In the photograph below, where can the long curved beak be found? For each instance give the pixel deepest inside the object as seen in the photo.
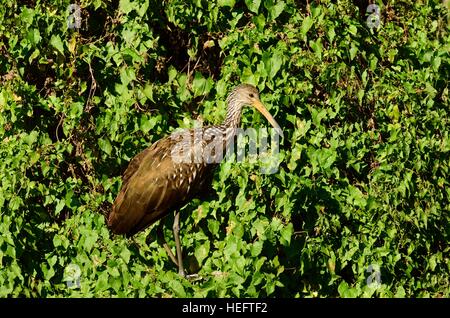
(262, 109)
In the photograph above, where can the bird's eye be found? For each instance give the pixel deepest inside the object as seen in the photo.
(251, 95)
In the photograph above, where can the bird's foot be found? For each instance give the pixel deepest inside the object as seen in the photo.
(193, 277)
(190, 277)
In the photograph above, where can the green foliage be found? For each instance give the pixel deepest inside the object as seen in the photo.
(364, 177)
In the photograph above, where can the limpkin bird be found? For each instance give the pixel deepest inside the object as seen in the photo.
(157, 183)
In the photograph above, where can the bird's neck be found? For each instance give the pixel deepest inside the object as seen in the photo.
(233, 118)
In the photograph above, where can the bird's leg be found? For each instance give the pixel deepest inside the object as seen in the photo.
(160, 233)
(176, 232)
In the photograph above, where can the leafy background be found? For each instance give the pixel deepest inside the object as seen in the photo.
(364, 173)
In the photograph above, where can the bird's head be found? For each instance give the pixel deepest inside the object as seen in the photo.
(246, 94)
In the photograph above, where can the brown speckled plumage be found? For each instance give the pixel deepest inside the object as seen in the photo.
(152, 188)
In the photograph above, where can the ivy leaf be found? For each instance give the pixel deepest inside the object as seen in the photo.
(199, 84)
(127, 75)
(102, 281)
(253, 5)
(34, 36)
(105, 145)
(272, 63)
(126, 6)
(178, 288)
(256, 248)
(286, 234)
(306, 25)
(201, 252)
(60, 206)
(125, 254)
(276, 9)
(56, 42)
(226, 3)
(90, 241)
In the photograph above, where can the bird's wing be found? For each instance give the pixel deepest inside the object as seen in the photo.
(155, 183)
